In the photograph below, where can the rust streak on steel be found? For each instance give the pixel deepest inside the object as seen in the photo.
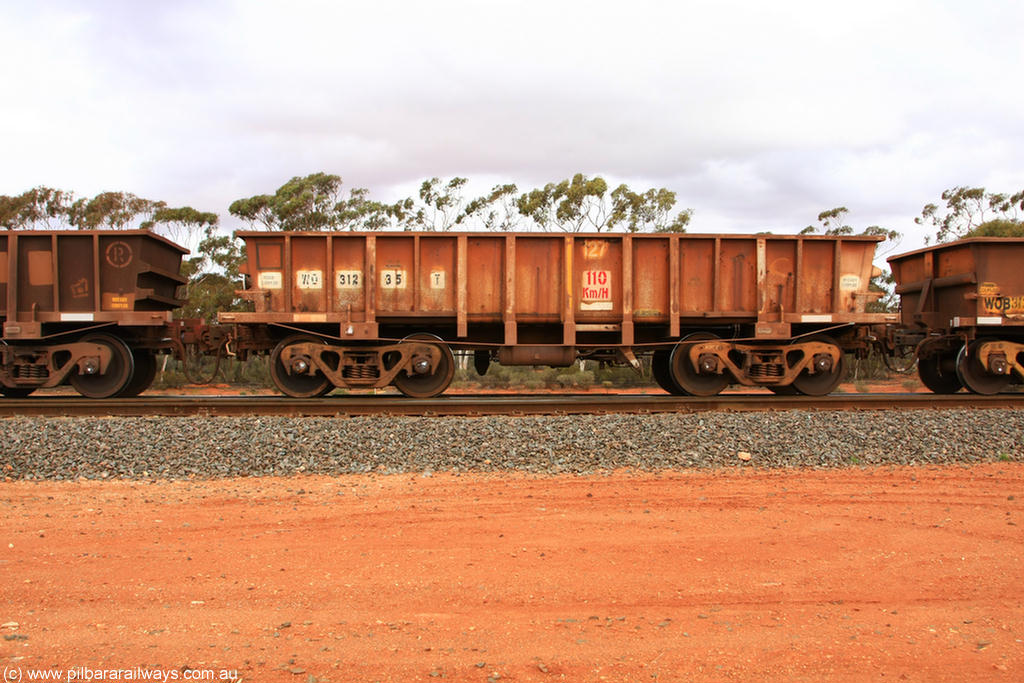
(478, 405)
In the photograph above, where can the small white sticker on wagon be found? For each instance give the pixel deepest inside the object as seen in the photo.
(437, 279)
(816, 318)
(269, 280)
(849, 283)
(309, 279)
(990, 320)
(77, 317)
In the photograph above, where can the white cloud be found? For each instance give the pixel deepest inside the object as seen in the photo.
(759, 115)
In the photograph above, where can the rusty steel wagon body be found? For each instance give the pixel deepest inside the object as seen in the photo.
(374, 309)
(85, 307)
(963, 310)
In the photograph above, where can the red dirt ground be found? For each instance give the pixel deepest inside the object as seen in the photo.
(747, 575)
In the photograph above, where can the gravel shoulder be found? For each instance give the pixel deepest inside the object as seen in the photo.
(196, 447)
(739, 573)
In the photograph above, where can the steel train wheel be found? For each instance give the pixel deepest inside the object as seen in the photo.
(690, 380)
(974, 375)
(118, 374)
(824, 382)
(297, 384)
(661, 370)
(938, 373)
(143, 374)
(427, 385)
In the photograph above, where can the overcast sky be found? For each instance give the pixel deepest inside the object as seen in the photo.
(758, 114)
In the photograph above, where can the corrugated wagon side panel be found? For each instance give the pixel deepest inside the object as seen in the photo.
(436, 280)
(308, 279)
(539, 278)
(77, 273)
(817, 277)
(697, 278)
(347, 278)
(652, 295)
(485, 278)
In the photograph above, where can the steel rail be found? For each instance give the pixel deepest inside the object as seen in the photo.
(489, 404)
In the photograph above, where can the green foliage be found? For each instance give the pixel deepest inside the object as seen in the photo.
(647, 212)
(583, 203)
(967, 209)
(213, 277)
(41, 208)
(1000, 227)
(112, 210)
(359, 213)
(497, 209)
(302, 203)
(832, 223)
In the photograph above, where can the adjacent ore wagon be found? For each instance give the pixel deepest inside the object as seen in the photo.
(963, 309)
(376, 309)
(86, 307)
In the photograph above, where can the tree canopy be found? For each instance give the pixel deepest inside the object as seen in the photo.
(576, 204)
(968, 209)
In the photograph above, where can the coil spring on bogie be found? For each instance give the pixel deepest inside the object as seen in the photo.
(767, 370)
(29, 371)
(360, 372)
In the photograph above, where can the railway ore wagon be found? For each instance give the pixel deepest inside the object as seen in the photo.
(85, 307)
(963, 308)
(376, 309)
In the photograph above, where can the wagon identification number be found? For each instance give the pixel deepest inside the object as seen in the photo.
(596, 294)
(392, 279)
(348, 279)
(309, 279)
(1003, 304)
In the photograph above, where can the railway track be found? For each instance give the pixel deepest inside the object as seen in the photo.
(489, 404)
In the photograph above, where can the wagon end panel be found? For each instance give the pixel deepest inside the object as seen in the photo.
(1000, 276)
(856, 264)
(138, 271)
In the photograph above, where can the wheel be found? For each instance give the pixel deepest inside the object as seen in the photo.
(142, 376)
(427, 384)
(974, 375)
(118, 374)
(661, 370)
(826, 380)
(16, 392)
(938, 373)
(689, 380)
(297, 383)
